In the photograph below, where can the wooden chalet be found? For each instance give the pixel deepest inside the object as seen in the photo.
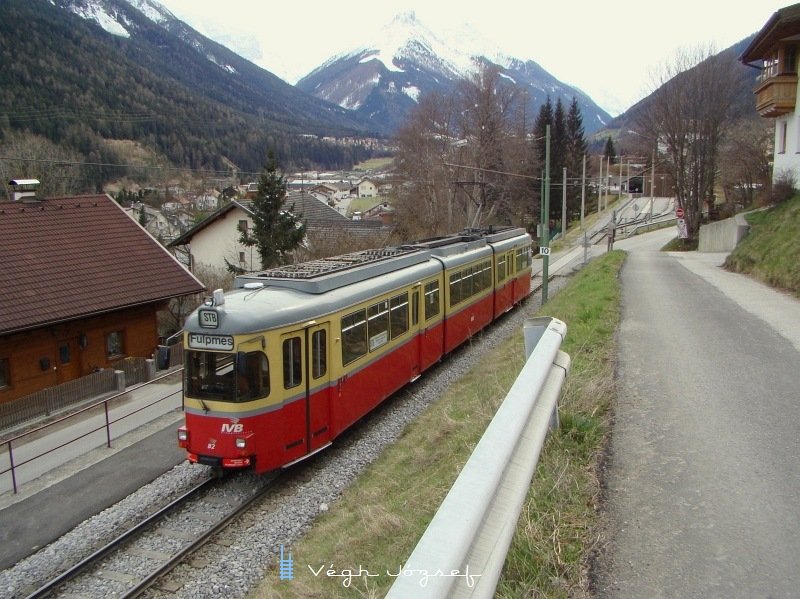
(80, 284)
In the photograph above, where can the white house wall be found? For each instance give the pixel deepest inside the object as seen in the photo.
(212, 245)
(787, 146)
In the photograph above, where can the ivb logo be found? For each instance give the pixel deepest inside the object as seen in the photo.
(232, 427)
(286, 566)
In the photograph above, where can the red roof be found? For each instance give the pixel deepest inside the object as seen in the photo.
(67, 258)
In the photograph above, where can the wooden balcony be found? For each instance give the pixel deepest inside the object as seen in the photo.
(777, 95)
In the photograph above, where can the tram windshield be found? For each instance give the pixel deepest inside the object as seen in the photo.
(227, 377)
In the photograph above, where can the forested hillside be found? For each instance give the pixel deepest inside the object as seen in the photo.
(69, 81)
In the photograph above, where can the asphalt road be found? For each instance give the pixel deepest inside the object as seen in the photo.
(704, 472)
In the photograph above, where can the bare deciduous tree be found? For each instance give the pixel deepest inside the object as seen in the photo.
(29, 156)
(458, 156)
(688, 115)
(425, 144)
(745, 162)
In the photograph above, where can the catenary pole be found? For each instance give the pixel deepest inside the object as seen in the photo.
(546, 216)
(583, 190)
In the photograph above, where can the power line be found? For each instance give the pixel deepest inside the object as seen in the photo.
(213, 173)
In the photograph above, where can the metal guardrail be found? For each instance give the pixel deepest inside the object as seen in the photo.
(462, 552)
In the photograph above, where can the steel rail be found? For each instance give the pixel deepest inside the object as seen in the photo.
(115, 544)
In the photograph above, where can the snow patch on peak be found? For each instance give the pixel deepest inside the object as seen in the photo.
(102, 17)
(156, 13)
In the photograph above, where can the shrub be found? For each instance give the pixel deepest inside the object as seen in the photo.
(783, 187)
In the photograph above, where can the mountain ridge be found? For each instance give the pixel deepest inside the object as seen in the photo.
(407, 59)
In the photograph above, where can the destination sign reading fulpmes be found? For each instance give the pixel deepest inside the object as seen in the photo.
(206, 341)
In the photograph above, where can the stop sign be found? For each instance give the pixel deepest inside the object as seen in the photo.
(678, 212)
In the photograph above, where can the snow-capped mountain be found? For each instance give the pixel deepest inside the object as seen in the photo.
(114, 16)
(160, 42)
(384, 78)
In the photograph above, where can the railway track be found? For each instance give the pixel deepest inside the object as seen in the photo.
(138, 558)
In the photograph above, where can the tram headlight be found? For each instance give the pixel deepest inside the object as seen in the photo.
(183, 437)
(241, 443)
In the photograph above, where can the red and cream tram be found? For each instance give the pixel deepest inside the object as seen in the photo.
(280, 366)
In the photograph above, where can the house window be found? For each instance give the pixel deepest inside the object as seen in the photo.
(243, 226)
(782, 131)
(4, 376)
(64, 353)
(241, 257)
(790, 59)
(114, 344)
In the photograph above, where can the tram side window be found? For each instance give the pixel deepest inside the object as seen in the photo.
(501, 269)
(414, 307)
(319, 354)
(378, 324)
(431, 299)
(354, 336)
(398, 315)
(523, 258)
(469, 282)
(455, 288)
(486, 275)
(292, 363)
(252, 376)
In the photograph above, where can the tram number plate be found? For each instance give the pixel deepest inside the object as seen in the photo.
(208, 319)
(544, 251)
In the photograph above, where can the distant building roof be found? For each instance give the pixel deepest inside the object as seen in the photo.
(74, 257)
(316, 214)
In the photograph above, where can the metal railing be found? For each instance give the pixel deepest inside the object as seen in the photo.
(463, 550)
(16, 441)
(51, 400)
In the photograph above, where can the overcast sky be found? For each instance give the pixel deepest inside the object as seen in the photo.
(610, 50)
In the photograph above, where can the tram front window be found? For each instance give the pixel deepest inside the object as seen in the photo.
(227, 377)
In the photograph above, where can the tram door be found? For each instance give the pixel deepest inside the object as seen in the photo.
(306, 378)
(318, 387)
(415, 308)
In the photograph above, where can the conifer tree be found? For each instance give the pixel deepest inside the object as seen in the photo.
(609, 152)
(276, 231)
(577, 148)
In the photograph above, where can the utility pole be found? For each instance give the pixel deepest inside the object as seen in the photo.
(600, 187)
(546, 217)
(583, 190)
(564, 203)
(653, 185)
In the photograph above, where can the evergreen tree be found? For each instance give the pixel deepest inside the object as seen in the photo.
(577, 148)
(544, 118)
(609, 152)
(276, 231)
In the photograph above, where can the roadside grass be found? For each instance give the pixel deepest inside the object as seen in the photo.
(681, 245)
(770, 252)
(377, 522)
